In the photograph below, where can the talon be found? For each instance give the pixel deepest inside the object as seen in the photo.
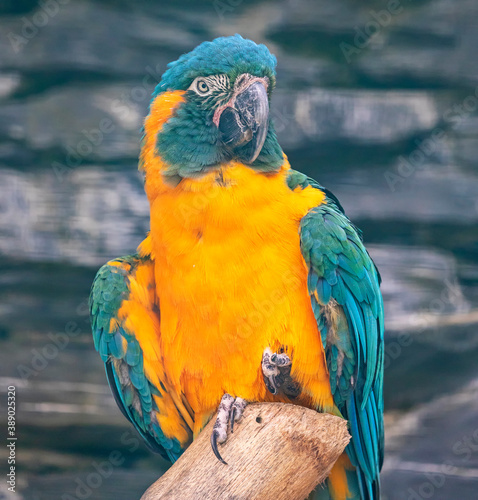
(214, 436)
(271, 388)
(230, 410)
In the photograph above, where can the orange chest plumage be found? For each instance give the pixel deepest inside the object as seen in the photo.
(231, 281)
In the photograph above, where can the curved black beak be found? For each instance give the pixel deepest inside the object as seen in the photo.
(244, 127)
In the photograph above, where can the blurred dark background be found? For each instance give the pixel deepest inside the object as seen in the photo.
(376, 100)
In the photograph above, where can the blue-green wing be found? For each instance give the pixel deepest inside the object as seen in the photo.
(123, 357)
(344, 288)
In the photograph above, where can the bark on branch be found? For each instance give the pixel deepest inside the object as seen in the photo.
(278, 451)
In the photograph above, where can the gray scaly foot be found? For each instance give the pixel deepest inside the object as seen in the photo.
(276, 369)
(230, 410)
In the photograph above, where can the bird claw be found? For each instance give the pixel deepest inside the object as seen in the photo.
(214, 441)
(276, 369)
(230, 410)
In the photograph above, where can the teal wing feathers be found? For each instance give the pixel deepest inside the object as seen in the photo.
(123, 357)
(343, 284)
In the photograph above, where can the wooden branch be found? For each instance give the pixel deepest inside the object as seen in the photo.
(278, 451)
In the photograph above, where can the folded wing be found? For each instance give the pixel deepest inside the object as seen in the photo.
(343, 284)
(126, 330)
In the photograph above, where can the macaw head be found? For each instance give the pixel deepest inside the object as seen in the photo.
(217, 98)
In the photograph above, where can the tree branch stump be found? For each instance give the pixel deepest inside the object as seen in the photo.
(278, 451)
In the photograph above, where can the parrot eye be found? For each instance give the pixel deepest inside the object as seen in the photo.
(201, 86)
(209, 85)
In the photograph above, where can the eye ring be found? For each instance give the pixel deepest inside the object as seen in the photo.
(202, 87)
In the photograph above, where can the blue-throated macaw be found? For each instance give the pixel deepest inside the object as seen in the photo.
(252, 284)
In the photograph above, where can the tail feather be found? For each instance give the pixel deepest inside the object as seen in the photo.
(358, 487)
